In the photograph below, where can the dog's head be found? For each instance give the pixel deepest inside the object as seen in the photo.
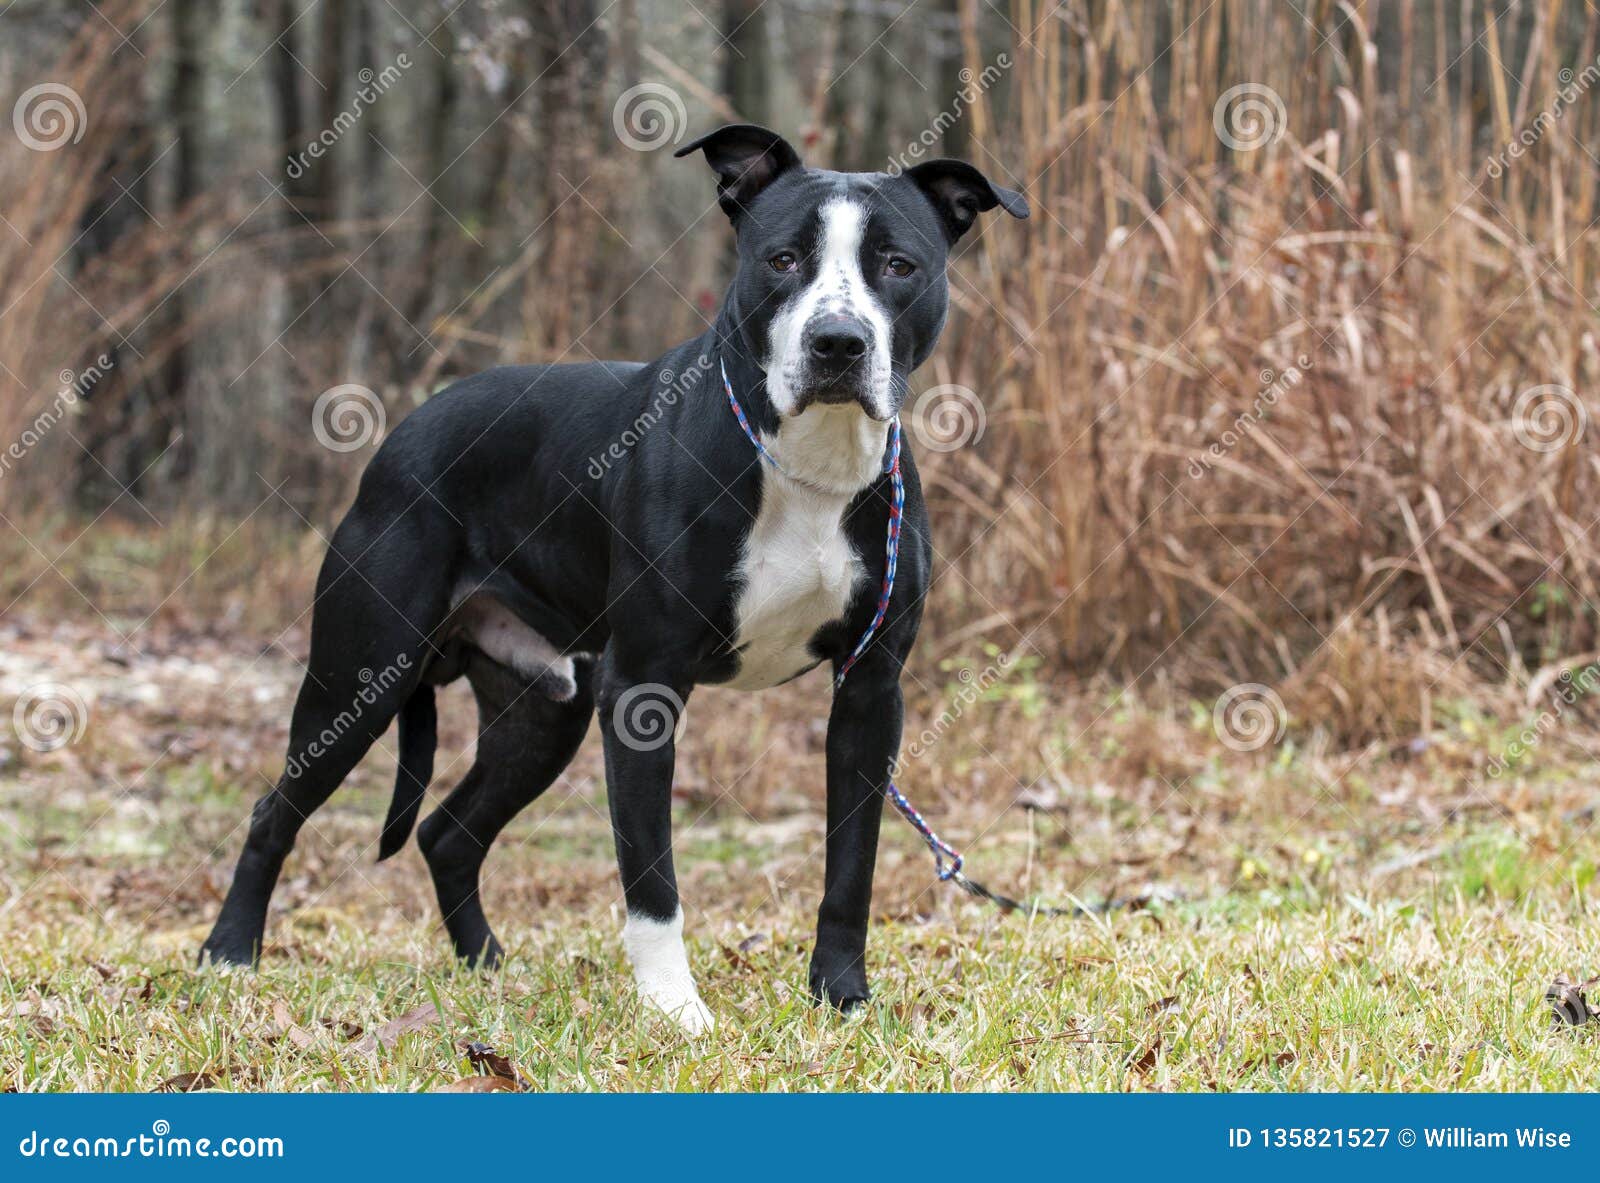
(841, 290)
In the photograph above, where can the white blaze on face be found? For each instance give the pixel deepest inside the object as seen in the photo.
(837, 287)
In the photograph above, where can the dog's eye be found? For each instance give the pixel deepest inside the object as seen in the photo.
(783, 261)
(899, 268)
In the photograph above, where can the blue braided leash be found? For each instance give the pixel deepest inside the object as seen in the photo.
(947, 859)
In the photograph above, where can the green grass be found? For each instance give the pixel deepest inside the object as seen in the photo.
(1331, 922)
(1253, 992)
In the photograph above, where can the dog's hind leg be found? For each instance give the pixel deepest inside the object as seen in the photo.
(525, 740)
(368, 649)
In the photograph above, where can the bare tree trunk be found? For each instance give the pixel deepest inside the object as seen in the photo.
(331, 73)
(572, 55)
(122, 401)
(187, 112)
(957, 136)
(441, 111)
(501, 138)
(298, 184)
(628, 42)
(371, 195)
(747, 61)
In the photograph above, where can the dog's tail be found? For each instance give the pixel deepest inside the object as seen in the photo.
(419, 736)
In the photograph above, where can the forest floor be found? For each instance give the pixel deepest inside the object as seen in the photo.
(1292, 919)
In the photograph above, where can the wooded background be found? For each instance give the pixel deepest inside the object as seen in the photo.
(1291, 384)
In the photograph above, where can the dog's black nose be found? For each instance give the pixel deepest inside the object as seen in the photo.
(838, 341)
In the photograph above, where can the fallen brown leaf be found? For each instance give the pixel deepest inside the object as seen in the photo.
(389, 1034)
(343, 1028)
(1569, 1001)
(186, 1082)
(1147, 1059)
(285, 1026)
(478, 1084)
(491, 1063)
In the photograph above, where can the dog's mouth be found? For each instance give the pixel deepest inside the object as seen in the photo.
(845, 390)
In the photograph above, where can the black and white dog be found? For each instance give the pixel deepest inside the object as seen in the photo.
(605, 535)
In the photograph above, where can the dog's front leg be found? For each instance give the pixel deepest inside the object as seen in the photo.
(638, 718)
(863, 738)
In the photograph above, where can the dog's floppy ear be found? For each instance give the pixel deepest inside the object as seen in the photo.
(960, 193)
(746, 159)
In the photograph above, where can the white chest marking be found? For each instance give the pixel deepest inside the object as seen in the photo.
(798, 572)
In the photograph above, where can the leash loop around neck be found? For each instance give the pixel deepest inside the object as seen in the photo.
(948, 861)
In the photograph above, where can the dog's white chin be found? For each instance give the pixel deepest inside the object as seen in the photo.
(837, 447)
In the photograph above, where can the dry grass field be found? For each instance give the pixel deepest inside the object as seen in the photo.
(1291, 918)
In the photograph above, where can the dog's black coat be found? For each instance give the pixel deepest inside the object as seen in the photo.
(494, 486)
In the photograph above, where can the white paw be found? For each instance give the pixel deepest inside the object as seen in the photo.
(661, 969)
(686, 1009)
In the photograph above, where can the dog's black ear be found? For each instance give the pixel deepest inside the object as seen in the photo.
(746, 159)
(960, 193)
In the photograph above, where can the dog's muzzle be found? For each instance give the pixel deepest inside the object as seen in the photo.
(836, 348)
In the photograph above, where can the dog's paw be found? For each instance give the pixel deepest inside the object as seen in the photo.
(558, 680)
(847, 993)
(224, 956)
(683, 1007)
